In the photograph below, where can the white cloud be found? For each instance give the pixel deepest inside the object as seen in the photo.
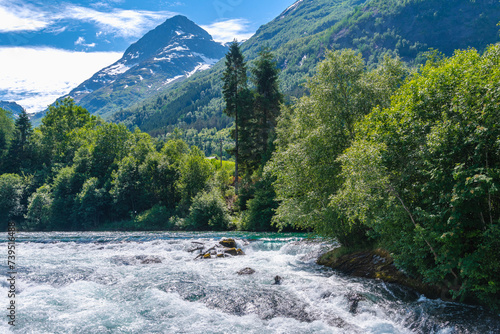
(21, 18)
(81, 41)
(228, 30)
(126, 23)
(35, 78)
(122, 22)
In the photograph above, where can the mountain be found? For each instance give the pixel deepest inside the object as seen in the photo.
(12, 107)
(299, 37)
(170, 53)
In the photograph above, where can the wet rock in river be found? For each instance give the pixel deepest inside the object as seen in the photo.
(217, 250)
(376, 264)
(228, 242)
(354, 299)
(135, 260)
(233, 251)
(246, 271)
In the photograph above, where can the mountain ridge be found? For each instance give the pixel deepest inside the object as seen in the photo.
(301, 34)
(171, 52)
(13, 107)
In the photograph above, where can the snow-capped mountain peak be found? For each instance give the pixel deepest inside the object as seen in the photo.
(174, 50)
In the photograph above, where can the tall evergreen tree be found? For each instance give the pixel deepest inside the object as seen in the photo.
(19, 155)
(267, 102)
(236, 95)
(6, 132)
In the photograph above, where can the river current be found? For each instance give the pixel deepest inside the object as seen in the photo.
(151, 283)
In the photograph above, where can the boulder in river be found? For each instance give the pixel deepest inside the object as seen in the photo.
(228, 242)
(246, 271)
(217, 250)
(378, 264)
(354, 299)
(233, 251)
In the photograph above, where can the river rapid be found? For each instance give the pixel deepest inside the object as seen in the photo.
(150, 283)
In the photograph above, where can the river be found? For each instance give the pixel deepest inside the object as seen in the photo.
(150, 283)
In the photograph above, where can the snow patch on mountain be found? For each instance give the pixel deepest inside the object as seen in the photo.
(135, 55)
(200, 67)
(166, 82)
(115, 69)
(172, 48)
(208, 61)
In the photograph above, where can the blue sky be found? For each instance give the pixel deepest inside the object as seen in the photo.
(48, 47)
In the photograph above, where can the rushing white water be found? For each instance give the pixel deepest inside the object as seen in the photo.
(150, 283)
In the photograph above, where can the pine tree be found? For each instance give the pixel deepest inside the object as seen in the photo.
(267, 102)
(19, 156)
(236, 95)
(6, 132)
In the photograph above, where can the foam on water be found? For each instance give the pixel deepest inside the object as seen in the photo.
(150, 283)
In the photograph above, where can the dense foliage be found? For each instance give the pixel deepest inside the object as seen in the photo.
(314, 132)
(77, 172)
(424, 174)
(6, 131)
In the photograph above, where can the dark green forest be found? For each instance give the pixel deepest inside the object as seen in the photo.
(78, 172)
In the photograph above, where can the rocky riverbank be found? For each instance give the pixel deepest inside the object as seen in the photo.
(377, 264)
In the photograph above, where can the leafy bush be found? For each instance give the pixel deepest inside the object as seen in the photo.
(261, 208)
(11, 192)
(39, 207)
(154, 219)
(208, 212)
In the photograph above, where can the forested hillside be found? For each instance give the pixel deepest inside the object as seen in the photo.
(302, 33)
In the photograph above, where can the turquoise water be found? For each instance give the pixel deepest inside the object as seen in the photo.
(151, 283)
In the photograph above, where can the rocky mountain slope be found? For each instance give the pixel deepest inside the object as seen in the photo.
(13, 107)
(170, 53)
(302, 33)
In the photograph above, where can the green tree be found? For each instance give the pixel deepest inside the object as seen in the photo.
(6, 134)
(101, 148)
(128, 192)
(20, 151)
(59, 138)
(267, 102)
(424, 174)
(89, 204)
(159, 176)
(195, 172)
(315, 131)
(11, 193)
(262, 206)
(39, 209)
(237, 96)
(67, 184)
